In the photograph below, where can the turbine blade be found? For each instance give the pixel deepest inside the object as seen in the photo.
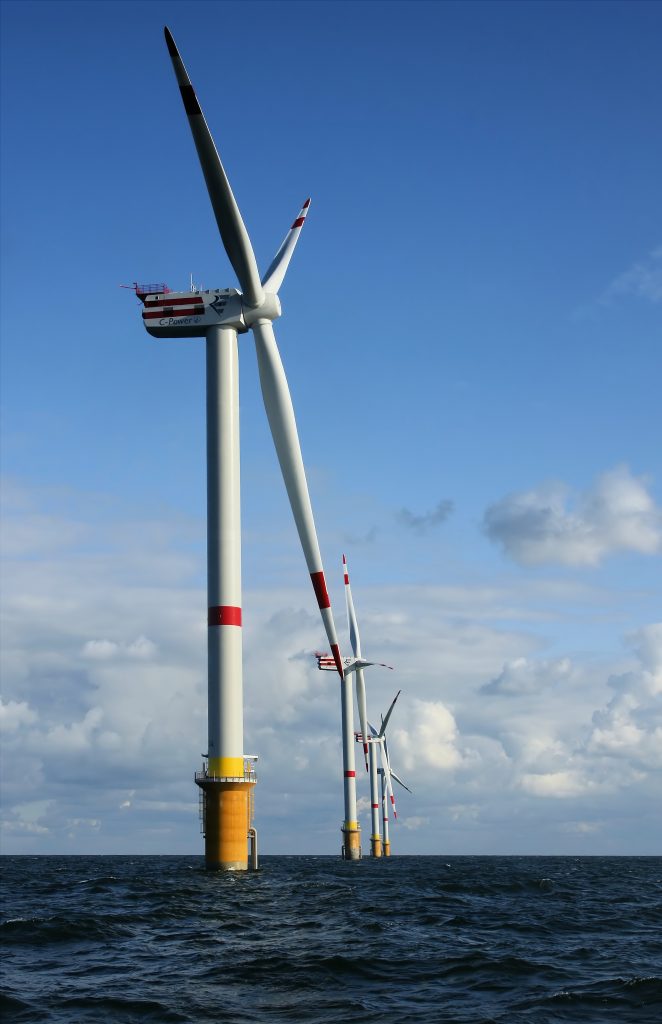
(280, 413)
(355, 641)
(362, 663)
(354, 637)
(273, 278)
(399, 781)
(388, 714)
(363, 713)
(387, 778)
(233, 231)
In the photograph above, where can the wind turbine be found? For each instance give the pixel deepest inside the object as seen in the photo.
(350, 827)
(219, 315)
(355, 665)
(378, 739)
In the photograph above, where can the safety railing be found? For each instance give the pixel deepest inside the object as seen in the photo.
(250, 775)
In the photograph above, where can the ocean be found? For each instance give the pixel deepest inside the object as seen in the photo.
(410, 940)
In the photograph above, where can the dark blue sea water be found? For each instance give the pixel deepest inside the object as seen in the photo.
(315, 940)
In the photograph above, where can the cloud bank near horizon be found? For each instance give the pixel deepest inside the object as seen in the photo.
(104, 710)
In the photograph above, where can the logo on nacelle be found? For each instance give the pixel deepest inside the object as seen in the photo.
(219, 303)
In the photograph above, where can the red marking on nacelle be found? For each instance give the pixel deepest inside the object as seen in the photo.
(168, 311)
(190, 300)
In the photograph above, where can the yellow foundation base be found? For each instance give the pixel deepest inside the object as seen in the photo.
(226, 825)
(376, 846)
(351, 842)
(387, 848)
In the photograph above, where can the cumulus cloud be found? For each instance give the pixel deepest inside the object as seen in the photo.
(15, 713)
(642, 280)
(429, 738)
(647, 645)
(620, 745)
(556, 784)
(414, 822)
(105, 711)
(422, 523)
(629, 727)
(524, 675)
(101, 650)
(546, 526)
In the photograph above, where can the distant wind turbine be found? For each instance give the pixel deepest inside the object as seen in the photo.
(378, 739)
(355, 665)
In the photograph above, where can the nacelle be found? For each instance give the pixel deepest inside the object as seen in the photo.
(191, 314)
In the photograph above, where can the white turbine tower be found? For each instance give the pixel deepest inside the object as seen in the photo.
(355, 665)
(378, 739)
(219, 315)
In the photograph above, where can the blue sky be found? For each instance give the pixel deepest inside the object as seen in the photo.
(472, 316)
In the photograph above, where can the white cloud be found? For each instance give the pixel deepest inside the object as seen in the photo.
(647, 645)
(524, 675)
(642, 280)
(101, 650)
(14, 713)
(106, 706)
(414, 822)
(541, 526)
(74, 738)
(429, 738)
(556, 784)
(629, 727)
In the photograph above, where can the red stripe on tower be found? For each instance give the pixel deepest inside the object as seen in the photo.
(321, 593)
(350, 775)
(224, 615)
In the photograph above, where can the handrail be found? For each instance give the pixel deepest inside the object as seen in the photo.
(204, 776)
